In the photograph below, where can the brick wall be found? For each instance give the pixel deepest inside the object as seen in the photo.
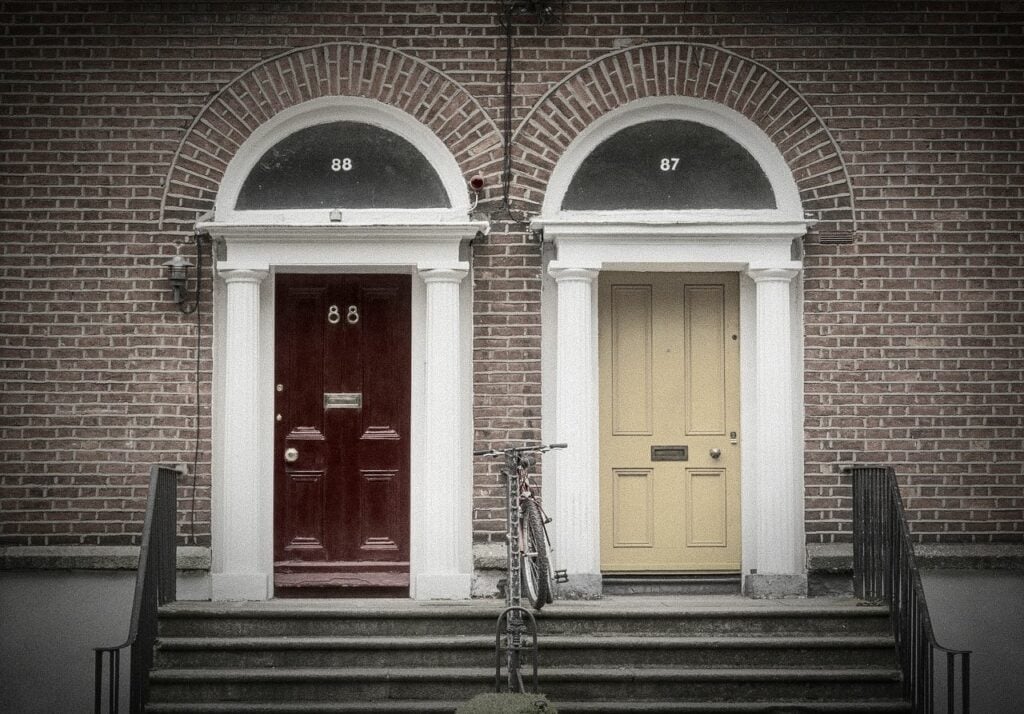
(914, 345)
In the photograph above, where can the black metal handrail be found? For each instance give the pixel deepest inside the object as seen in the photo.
(885, 570)
(154, 586)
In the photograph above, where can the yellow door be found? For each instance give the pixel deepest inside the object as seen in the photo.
(669, 393)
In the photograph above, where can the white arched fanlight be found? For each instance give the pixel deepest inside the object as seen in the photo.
(378, 121)
(732, 126)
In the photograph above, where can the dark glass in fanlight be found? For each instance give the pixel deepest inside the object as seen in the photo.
(386, 171)
(706, 169)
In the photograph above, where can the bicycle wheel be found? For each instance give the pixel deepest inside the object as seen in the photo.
(536, 566)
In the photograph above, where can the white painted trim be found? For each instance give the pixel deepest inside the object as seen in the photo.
(331, 109)
(438, 518)
(731, 123)
(575, 505)
(425, 243)
(687, 241)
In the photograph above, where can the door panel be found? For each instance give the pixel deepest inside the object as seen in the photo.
(632, 387)
(341, 499)
(704, 367)
(669, 377)
(633, 509)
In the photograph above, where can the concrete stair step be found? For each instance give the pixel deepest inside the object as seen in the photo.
(391, 706)
(891, 706)
(216, 620)
(566, 707)
(671, 584)
(457, 684)
(556, 651)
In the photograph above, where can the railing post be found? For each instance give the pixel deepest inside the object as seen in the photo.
(885, 570)
(155, 585)
(869, 564)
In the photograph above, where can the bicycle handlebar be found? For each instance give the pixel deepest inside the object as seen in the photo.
(519, 449)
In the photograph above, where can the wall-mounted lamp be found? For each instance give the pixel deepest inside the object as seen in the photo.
(177, 275)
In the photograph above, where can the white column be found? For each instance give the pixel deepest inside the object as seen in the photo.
(778, 478)
(575, 480)
(438, 521)
(238, 574)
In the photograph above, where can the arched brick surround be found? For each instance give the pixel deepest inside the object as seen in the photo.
(691, 70)
(300, 75)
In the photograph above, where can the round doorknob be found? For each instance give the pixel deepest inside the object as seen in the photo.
(291, 455)
(715, 453)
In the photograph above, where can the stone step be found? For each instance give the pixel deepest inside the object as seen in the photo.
(671, 585)
(575, 683)
(395, 706)
(556, 651)
(225, 620)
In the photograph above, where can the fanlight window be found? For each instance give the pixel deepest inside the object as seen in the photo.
(342, 164)
(669, 165)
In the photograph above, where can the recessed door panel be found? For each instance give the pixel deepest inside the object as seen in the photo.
(704, 368)
(381, 529)
(631, 389)
(341, 495)
(632, 509)
(669, 396)
(707, 512)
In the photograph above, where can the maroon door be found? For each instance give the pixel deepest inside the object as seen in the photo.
(341, 445)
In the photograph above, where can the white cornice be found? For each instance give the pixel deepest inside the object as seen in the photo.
(650, 229)
(325, 247)
(341, 232)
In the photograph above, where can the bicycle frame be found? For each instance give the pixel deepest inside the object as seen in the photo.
(519, 488)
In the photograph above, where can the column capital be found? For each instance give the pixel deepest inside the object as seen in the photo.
(242, 275)
(781, 274)
(443, 275)
(564, 273)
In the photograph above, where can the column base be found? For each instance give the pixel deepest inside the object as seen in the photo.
(442, 586)
(769, 586)
(240, 586)
(581, 586)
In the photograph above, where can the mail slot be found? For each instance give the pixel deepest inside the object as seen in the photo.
(669, 453)
(343, 400)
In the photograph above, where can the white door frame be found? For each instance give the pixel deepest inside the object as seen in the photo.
(254, 246)
(757, 244)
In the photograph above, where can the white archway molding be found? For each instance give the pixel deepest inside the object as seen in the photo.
(332, 109)
(731, 123)
(253, 248)
(758, 245)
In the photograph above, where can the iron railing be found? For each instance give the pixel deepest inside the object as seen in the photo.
(154, 586)
(884, 570)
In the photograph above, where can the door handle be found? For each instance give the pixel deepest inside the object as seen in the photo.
(291, 455)
(715, 453)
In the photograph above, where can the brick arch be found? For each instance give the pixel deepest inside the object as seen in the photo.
(699, 71)
(327, 70)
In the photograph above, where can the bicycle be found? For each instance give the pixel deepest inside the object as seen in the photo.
(529, 561)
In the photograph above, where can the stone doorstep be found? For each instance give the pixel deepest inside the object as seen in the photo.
(837, 558)
(834, 558)
(87, 557)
